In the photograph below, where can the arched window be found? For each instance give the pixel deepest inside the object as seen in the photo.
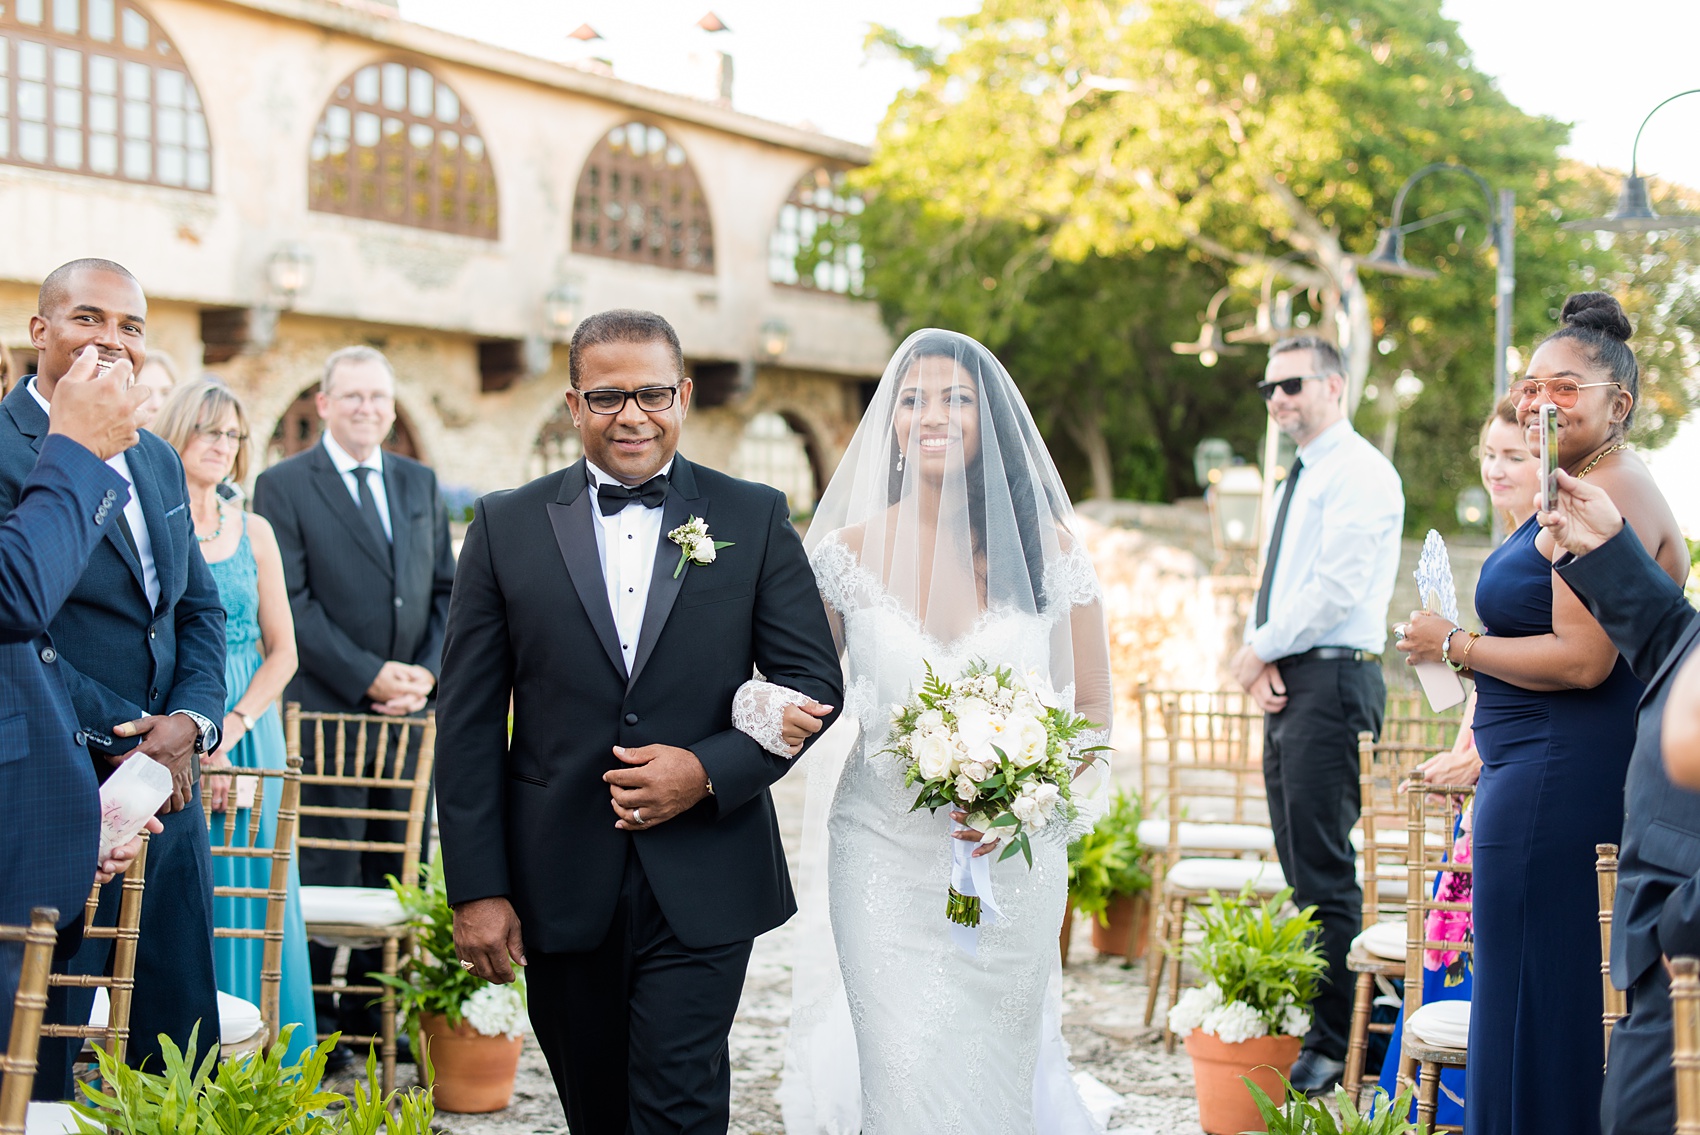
(557, 445)
(94, 87)
(818, 241)
(301, 426)
(639, 199)
(395, 144)
(775, 453)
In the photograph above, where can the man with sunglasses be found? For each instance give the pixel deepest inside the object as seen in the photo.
(1311, 659)
(614, 834)
(369, 566)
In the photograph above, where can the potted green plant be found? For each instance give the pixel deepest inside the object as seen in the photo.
(1260, 966)
(249, 1094)
(472, 1030)
(1301, 1116)
(1108, 880)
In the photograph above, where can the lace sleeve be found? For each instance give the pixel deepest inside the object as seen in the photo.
(758, 710)
(835, 569)
(1070, 579)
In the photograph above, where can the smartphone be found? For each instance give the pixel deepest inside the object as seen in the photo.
(1549, 457)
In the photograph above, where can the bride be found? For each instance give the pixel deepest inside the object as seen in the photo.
(943, 539)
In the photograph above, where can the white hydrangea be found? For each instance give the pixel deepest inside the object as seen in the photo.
(1194, 1004)
(1295, 1021)
(495, 1010)
(1235, 1022)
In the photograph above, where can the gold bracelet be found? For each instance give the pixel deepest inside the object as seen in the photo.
(1464, 658)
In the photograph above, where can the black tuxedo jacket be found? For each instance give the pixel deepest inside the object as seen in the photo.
(528, 817)
(358, 604)
(1658, 882)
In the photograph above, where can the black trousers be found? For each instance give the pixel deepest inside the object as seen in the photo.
(322, 867)
(635, 1030)
(1310, 770)
(1640, 1089)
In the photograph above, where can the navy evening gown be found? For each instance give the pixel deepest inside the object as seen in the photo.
(1553, 767)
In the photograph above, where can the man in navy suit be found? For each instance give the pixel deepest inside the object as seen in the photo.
(49, 842)
(140, 646)
(1656, 914)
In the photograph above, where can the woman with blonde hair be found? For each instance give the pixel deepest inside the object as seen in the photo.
(205, 422)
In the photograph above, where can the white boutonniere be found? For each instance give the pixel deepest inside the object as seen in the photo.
(696, 546)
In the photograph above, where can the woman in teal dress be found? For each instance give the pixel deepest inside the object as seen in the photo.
(205, 422)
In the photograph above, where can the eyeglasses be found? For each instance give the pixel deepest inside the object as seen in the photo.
(213, 437)
(1288, 386)
(1561, 392)
(354, 399)
(650, 399)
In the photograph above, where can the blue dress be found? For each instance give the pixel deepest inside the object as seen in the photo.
(1553, 767)
(238, 961)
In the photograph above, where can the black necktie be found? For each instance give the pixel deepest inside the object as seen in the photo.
(611, 498)
(1275, 542)
(369, 503)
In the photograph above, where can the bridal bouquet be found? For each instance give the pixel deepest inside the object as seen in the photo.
(997, 747)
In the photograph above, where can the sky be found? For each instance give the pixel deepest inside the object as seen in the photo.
(1600, 67)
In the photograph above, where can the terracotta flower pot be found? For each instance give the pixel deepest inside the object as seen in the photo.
(1129, 929)
(1225, 1107)
(474, 1073)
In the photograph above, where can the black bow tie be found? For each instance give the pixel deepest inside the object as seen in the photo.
(614, 497)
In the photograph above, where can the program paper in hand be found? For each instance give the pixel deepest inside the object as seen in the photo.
(1443, 688)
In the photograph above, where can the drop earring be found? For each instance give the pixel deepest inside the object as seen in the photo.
(900, 462)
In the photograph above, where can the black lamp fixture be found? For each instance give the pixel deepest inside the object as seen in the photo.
(1634, 212)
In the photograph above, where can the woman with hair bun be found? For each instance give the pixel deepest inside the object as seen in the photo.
(1555, 724)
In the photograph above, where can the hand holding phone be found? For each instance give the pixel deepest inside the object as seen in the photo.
(1549, 457)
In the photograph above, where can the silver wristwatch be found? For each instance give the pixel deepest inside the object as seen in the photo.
(206, 737)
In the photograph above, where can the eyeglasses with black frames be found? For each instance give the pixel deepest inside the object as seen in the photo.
(1288, 386)
(1561, 392)
(650, 399)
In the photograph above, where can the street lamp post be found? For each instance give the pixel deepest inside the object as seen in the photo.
(1634, 212)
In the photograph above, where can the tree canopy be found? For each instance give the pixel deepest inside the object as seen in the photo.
(1072, 180)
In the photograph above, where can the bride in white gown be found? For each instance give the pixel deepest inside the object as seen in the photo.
(943, 538)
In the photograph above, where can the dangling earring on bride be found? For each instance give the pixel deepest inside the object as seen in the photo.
(900, 462)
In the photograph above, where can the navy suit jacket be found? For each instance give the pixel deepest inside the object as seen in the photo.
(1658, 880)
(120, 657)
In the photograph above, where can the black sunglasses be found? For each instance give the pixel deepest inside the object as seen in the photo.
(1288, 386)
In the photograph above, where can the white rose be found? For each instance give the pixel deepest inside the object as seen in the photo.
(975, 771)
(1026, 809)
(1048, 797)
(1024, 740)
(1026, 703)
(703, 551)
(933, 756)
(930, 721)
(966, 790)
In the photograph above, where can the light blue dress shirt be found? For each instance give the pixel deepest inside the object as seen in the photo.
(1339, 554)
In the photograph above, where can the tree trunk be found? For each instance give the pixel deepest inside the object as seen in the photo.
(1088, 433)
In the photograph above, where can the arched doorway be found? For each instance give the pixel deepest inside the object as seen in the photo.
(778, 451)
(300, 426)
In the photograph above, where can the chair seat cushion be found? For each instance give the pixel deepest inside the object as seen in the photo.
(1445, 1024)
(1208, 837)
(50, 1119)
(1226, 875)
(1384, 940)
(351, 906)
(238, 1020)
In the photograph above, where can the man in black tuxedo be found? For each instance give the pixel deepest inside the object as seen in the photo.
(140, 646)
(1657, 911)
(623, 843)
(369, 567)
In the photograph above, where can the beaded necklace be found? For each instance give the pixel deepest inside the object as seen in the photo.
(219, 531)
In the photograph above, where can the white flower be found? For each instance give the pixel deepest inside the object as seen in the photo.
(702, 551)
(1026, 809)
(1189, 1012)
(966, 790)
(1048, 796)
(974, 722)
(495, 1010)
(1235, 1022)
(1295, 1021)
(930, 721)
(1023, 740)
(1026, 703)
(933, 756)
(975, 771)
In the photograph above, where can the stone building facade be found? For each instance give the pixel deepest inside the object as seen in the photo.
(287, 177)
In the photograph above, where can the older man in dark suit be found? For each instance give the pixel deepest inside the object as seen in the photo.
(140, 645)
(369, 566)
(48, 843)
(1657, 912)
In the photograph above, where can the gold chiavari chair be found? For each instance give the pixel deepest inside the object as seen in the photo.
(243, 1026)
(17, 1063)
(1616, 1003)
(1379, 951)
(1436, 1035)
(1216, 834)
(1685, 1048)
(371, 752)
(109, 1023)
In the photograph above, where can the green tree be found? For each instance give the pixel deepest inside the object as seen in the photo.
(1061, 156)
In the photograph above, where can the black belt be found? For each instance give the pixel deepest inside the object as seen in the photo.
(1330, 654)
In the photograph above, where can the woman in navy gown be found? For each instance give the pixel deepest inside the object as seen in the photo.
(1554, 724)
